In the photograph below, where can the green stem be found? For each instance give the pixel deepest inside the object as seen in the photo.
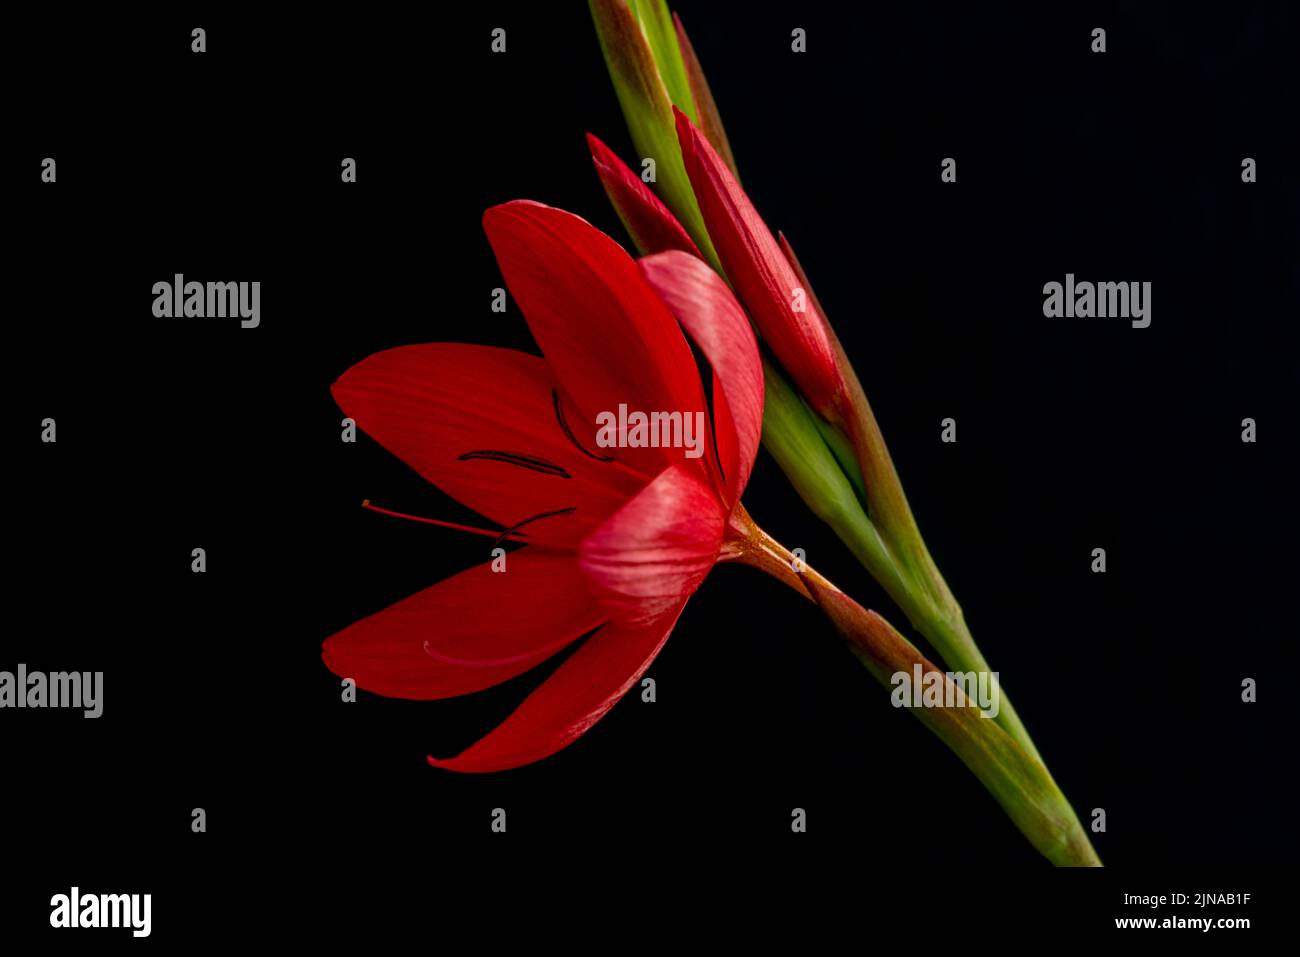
(910, 577)
(823, 470)
(1016, 777)
(955, 645)
(932, 611)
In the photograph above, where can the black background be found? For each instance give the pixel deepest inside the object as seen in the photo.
(1072, 435)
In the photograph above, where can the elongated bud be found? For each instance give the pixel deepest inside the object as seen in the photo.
(647, 220)
(1019, 782)
(777, 302)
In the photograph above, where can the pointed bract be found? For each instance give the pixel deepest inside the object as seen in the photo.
(658, 26)
(706, 111)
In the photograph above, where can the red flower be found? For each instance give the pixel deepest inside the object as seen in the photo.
(617, 539)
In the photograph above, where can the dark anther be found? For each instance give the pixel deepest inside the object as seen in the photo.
(714, 398)
(517, 458)
(518, 525)
(559, 417)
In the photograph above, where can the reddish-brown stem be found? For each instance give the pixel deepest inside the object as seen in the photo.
(749, 544)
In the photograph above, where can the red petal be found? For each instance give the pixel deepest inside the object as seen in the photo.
(573, 699)
(760, 274)
(647, 220)
(432, 404)
(469, 632)
(605, 334)
(703, 304)
(654, 552)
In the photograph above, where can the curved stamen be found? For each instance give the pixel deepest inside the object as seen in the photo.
(513, 529)
(568, 432)
(531, 462)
